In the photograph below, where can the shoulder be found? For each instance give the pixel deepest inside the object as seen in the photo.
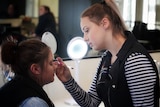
(33, 102)
(134, 55)
(139, 63)
(137, 58)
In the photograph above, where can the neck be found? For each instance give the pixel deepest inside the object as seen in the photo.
(117, 43)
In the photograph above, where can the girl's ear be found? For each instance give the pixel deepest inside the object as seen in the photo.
(35, 69)
(105, 22)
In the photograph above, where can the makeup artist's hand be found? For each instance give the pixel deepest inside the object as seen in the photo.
(62, 72)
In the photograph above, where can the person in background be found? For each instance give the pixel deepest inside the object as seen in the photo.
(11, 12)
(127, 75)
(46, 22)
(32, 62)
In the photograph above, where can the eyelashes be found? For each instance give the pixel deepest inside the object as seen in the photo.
(86, 30)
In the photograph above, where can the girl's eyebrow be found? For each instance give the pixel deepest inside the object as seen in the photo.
(54, 60)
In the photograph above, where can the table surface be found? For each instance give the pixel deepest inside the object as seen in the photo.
(68, 103)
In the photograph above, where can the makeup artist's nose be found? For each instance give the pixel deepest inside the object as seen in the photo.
(85, 37)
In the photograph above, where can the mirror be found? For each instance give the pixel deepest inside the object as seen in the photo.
(139, 14)
(49, 39)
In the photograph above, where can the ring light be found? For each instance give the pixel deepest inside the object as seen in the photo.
(77, 48)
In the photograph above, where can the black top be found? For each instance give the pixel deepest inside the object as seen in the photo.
(13, 93)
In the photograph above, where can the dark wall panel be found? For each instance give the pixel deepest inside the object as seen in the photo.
(69, 21)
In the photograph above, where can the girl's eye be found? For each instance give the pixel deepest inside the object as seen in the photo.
(51, 62)
(54, 61)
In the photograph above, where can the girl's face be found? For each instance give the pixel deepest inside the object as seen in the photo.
(50, 66)
(94, 34)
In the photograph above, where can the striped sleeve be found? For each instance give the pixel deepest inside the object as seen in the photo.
(84, 99)
(141, 79)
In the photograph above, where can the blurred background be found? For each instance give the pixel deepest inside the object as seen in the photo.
(141, 17)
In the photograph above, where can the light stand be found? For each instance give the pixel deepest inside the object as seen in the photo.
(76, 49)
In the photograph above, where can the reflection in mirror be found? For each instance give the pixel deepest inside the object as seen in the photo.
(12, 8)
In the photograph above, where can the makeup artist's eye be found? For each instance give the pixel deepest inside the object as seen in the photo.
(86, 30)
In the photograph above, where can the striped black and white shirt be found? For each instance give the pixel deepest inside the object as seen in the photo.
(140, 77)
